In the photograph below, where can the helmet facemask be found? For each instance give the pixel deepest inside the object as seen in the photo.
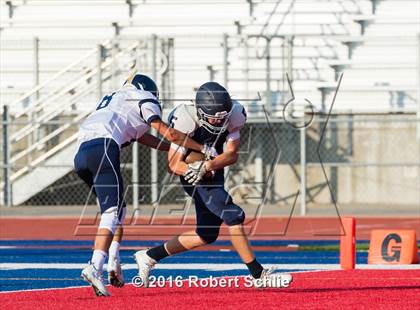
(214, 107)
(223, 116)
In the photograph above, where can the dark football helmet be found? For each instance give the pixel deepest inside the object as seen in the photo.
(143, 82)
(213, 103)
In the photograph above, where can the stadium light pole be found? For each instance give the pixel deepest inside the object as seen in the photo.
(226, 78)
(290, 43)
(99, 73)
(259, 168)
(154, 153)
(211, 72)
(135, 180)
(36, 66)
(418, 87)
(268, 75)
(32, 136)
(246, 66)
(7, 199)
(225, 59)
(303, 170)
(418, 108)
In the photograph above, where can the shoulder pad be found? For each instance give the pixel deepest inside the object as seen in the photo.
(183, 118)
(145, 95)
(136, 94)
(237, 118)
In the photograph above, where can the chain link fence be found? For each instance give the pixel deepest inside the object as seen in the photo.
(367, 160)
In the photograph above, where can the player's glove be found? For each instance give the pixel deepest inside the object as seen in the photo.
(195, 172)
(209, 152)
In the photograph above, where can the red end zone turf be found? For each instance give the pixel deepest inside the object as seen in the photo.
(361, 289)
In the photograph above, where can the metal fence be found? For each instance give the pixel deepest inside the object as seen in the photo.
(368, 160)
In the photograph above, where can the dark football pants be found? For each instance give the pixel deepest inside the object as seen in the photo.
(97, 163)
(213, 206)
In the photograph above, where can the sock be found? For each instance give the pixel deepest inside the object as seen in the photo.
(255, 269)
(114, 250)
(98, 259)
(158, 253)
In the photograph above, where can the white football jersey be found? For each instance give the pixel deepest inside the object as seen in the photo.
(123, 116)
(184, 118)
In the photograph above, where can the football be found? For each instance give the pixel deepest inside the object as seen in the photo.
(197, 156)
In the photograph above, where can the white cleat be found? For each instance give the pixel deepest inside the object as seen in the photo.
(274, 280)
(94, 278)
(145, 263)
(115, 275)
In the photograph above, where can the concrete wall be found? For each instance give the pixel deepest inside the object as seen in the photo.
(375, 161)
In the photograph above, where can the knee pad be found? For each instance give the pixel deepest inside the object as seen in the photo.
(208, 234)
(111, 218)
(233, 216)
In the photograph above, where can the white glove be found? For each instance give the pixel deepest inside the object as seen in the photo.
(195, 172)
(209, 152)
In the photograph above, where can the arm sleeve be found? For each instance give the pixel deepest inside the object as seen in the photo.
(150, 110)
(182, 121)
(237, 121)
(232, 136)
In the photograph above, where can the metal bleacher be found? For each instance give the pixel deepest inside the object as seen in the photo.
(59, 57)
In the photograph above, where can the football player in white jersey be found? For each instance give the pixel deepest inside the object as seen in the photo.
(215, 120)
(121, 118)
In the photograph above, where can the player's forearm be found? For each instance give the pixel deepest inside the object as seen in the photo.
(178, 167)
(187, 142)
(154, 142)
(223, 160)
(177, 137)
(180, 138)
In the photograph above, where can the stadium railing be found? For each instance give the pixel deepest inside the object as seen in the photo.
(307, 62)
